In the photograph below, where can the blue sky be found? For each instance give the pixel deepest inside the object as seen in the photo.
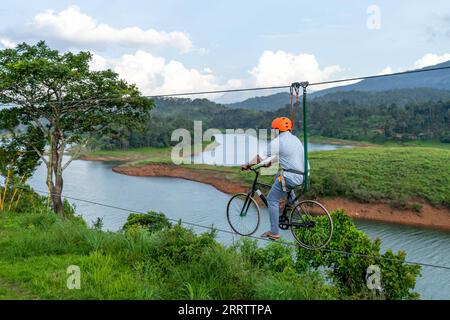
(219, 44)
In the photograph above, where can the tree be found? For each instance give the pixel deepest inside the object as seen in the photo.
(58, 94)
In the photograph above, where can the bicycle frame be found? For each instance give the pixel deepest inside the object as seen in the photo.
(284, 224)
(255, 188)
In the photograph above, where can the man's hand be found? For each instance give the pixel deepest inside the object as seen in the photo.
(245, 167)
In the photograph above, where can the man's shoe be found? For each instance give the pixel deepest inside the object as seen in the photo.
(271, 235)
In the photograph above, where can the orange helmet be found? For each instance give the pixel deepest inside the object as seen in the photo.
(282, 124)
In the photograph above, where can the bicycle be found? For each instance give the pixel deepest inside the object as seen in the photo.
(309, 221)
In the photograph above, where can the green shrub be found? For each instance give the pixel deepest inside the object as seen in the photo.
(417, 208)
(445, 138)
(25, 200)
(274, 256)
(179, 245)
(348, 271)
(152, 221)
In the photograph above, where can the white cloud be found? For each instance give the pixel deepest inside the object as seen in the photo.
(431, 59)
(386, 70)
(77, 28)
(98, 63)
(154, 75)
(6, 43)
(281, 68)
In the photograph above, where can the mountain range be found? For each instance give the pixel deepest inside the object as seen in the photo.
(431, 85)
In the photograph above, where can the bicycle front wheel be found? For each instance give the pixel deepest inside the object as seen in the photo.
(311, 224)
(243, 214)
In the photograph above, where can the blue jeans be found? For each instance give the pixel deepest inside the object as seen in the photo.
(273, 201)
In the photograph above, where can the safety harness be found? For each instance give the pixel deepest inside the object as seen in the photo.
(281, 178)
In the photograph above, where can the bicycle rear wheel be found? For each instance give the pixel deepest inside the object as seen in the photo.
(311, 224)
(243, 214)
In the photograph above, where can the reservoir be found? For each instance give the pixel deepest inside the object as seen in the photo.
(203, 204)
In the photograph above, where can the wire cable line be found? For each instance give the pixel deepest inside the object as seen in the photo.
(310, 84)
(212, 228)
(177, 94)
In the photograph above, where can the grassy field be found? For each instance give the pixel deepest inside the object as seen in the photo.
(137, 154)
(327, 140)
(415, 143)
(393, 173)
(398, 174)
(37, 248)
(156, 154)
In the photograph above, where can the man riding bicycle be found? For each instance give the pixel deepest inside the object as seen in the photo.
(289, 151)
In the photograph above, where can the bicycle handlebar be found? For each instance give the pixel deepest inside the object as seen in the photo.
(257, 166)
(264, 163)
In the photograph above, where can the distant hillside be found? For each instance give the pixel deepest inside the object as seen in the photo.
(366, 116)
(198, 109)
(432, 79)
(360, 98)
(267, 103)
(400, 97)
(212, 114)
(416, 87)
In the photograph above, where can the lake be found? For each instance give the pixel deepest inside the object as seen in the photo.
(237, 149)
(205, 205)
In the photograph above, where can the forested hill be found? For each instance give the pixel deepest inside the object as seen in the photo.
(368, 120)
(415, 87)
(212, 114)
(399, 97)
(187, 108)
(266, 103)
(439, 79)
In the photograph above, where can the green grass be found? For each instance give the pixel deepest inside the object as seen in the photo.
(37, 248)
(417, 143)
(133, 153)
(9, 291)
(383, 173)
(156, 154)
(327, 140)
(390, 143)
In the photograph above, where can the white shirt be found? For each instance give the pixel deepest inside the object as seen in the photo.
(289, 150)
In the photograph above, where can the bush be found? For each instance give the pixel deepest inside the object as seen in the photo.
(179, 245)
(274, 256)
(25, 200)
(152, 221)
(280, 279)
(348, 271)
(445, 138)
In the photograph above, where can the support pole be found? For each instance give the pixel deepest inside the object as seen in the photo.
(305, 136)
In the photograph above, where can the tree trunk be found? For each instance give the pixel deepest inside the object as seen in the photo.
(50, 172)
(57, 196)
(57, 155)
(54, 170)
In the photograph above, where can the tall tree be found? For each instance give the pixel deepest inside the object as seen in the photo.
(58, 94)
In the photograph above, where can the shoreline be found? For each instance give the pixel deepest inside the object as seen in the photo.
(430, 217)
